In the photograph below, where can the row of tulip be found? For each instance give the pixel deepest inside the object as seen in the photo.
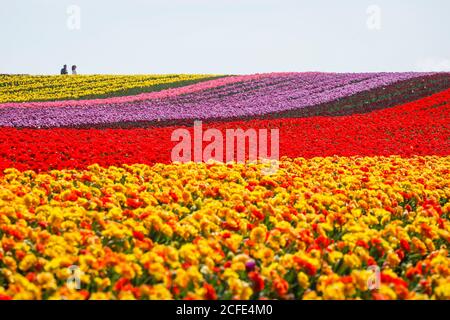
(283, 93)
(417, 128)
(22, 88)
(316, 229)
(205, 84)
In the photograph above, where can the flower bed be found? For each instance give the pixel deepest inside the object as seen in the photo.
(202, 231)
(417, 128)
(267, 95)
(43, 88)
(358, 207)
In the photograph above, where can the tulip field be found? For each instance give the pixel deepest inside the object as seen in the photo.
(361, 194)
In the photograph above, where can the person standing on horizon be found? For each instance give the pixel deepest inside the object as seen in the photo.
(64, 69)
(74, 69)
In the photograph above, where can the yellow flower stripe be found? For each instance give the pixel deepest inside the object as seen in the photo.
(21, 88)
(309, 231)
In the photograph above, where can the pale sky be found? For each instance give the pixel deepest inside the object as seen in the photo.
(224, 36)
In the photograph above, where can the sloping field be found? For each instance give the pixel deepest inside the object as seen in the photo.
(356, 208)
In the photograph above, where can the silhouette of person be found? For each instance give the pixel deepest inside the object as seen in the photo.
(64, 69)
(74, 69)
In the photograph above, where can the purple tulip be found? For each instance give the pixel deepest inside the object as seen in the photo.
(250, 265)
